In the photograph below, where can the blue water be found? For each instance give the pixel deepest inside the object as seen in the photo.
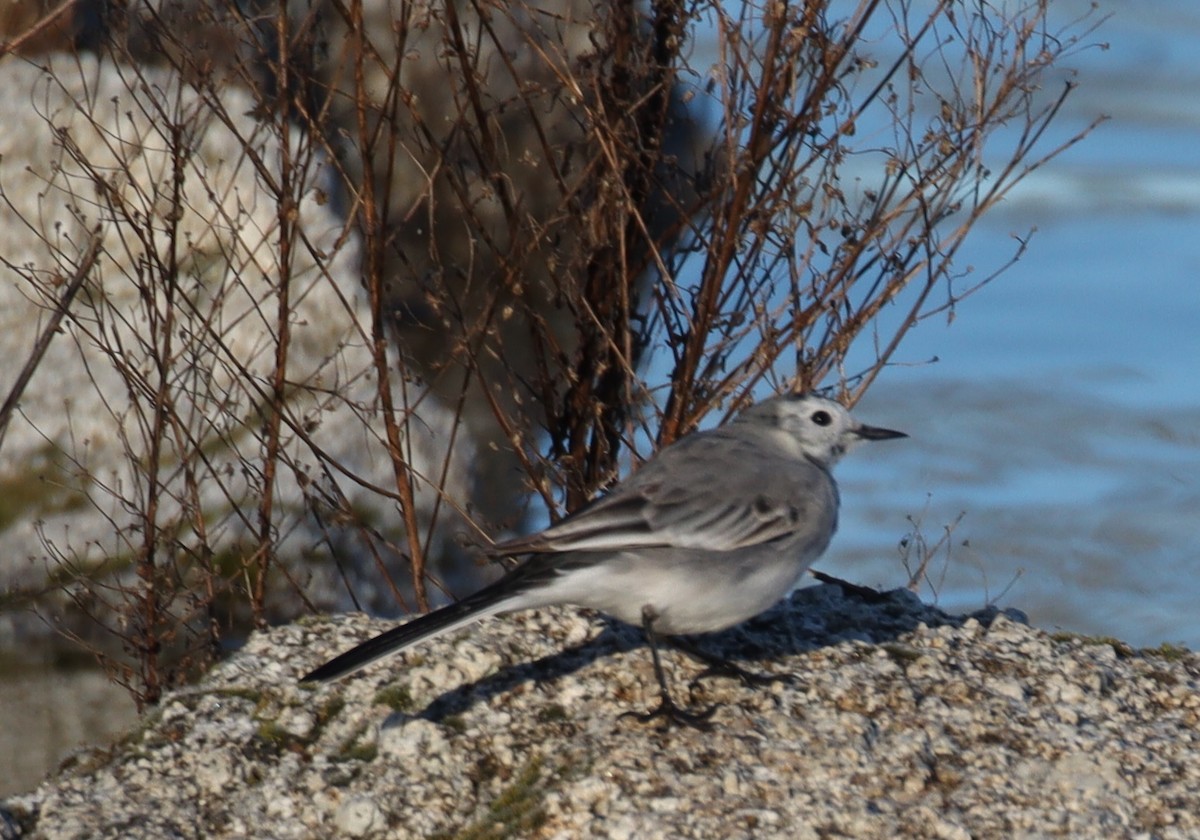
(1063, 415)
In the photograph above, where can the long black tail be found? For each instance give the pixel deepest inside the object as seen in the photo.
(485, 602)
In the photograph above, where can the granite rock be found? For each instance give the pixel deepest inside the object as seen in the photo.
(898, 721)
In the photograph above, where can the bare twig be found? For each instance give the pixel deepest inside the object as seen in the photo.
(57, 312)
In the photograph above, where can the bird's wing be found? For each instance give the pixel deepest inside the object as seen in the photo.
(709, 491)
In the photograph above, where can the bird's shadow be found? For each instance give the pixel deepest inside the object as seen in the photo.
(812, 618)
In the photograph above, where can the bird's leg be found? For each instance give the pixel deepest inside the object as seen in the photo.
(666, 709)
(721, 667)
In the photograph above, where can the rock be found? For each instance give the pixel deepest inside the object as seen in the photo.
(935, 726)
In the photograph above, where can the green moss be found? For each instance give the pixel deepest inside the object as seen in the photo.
(272, 737)
(276, 737)
(992, 666)
(516, 812)
(552, 713)
(455, 724)
(356, 749)
(361, 752)
(254, 695)
(1122, 649)
(396, 697)
(901, 653)
(1168, 651)
(330, 709)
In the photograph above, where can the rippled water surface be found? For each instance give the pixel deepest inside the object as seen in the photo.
(1064, 414)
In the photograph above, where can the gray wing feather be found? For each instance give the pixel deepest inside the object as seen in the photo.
(711, 491)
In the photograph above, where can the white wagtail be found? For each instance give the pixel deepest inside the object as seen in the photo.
(713, 530)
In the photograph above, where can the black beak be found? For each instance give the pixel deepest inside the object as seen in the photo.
(876, 433)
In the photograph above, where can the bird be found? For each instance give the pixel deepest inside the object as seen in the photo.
(714, 529)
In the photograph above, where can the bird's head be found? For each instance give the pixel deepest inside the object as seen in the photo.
(820, 428)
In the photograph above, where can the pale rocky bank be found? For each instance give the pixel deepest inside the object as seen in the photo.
(901, 721)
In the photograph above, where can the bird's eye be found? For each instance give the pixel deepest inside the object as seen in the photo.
(822, 418)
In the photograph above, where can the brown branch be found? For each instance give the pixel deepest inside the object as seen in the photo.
(57, 313)
(52, 19)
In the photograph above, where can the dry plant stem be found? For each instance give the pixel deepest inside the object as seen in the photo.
(900, 238)
(51, 19)
(487, 153)
(154, 593)
(277, 407)
(336, 501)
(629, 122)
(373, 221)
(61, 307)
(920, 309)
(927, 552)
(730, 219)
